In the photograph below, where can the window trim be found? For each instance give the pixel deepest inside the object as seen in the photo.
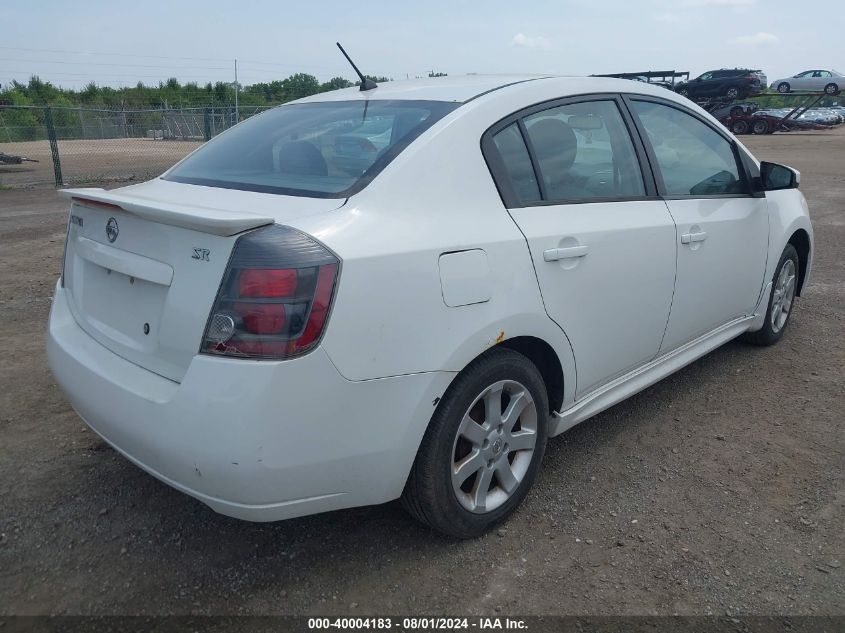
(742, 162)
(499, 173)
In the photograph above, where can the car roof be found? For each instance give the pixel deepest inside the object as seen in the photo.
(462, 88)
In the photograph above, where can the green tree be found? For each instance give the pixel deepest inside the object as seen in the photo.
(301, 85)
(335, 83)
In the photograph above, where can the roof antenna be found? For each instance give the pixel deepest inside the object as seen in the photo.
(366, 84)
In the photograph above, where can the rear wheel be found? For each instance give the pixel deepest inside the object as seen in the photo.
(783, 87)
(683, 92)
(831, 89)
(739, 127)
(781, 300)
(760, 126)
(732, 92)
(483, 447)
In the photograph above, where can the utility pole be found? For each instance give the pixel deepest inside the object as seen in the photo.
(237, 117)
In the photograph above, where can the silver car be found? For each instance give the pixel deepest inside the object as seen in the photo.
(830, 81)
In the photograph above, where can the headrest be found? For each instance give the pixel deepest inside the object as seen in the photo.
(554, 142)
(302, 158)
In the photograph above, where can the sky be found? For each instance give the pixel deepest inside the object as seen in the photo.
(120, 43)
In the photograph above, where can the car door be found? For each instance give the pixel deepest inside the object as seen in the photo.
(706, 84)
(602, 243)
(802, 81)
(722, 228)
(821, 79)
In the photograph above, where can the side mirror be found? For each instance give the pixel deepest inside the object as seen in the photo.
(774, 177)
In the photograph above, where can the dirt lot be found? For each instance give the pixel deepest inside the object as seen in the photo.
(720, 489)
(119, 159)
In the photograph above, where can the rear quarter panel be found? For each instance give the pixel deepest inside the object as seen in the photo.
(438, 196)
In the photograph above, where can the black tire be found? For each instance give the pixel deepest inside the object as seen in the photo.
(739, 127)
(783, 87)
(768, 335)
(429, 495)
(760, 126)
(684, 92)
(831, 89)
(732, 92)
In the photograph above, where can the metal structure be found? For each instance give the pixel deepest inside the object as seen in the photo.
(660, 77)
(77, 144)
(741, 121)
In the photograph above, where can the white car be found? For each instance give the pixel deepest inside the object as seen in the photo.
(829, 81)
(276, 336)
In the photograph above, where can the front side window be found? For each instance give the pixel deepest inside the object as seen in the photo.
(584, 151)
(693, 158)
(325, 150)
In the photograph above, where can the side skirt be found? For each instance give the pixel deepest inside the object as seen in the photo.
(629, 384)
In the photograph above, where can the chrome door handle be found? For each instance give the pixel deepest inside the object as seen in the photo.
(570, 252)
(689, 238)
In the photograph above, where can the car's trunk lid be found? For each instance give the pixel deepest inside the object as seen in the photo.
(143, 264)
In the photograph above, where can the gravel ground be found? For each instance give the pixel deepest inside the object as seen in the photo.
(718, 490)
(119, 159)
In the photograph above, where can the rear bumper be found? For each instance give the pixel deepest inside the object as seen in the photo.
(259, 441)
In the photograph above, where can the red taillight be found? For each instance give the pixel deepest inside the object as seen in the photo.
(275, 296)
(263, 282)
(319, 307)
(262, 318)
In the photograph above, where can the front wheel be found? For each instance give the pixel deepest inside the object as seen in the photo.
(781, 300)
(783, 87)
(483, 447)
(732, 93)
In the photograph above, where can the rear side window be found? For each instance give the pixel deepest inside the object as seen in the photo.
(517, 164)
(693, 158)
(323, 150)
(583, 151)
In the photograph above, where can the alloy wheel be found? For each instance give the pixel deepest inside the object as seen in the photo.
(493, 448)
(733, 93)
(784, 294)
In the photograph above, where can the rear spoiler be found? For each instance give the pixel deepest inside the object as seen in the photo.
(204, 219)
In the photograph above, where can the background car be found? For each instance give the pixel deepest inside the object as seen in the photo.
(830, 81)
(720, 111)
(735, 83)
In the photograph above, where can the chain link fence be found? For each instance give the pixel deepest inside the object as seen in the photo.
(67, 146)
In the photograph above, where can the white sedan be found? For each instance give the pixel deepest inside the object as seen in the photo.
(829, 81)
(277, 335)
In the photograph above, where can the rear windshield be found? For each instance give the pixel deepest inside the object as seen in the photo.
(322, 150)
